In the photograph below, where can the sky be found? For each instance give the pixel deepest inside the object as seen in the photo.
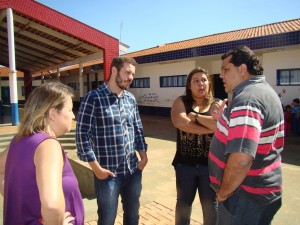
(144, 24)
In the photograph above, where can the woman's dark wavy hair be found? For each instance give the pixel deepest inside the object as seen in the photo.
(244, 55)
(188, 97)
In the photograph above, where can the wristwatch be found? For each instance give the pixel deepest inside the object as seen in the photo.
(196, 118)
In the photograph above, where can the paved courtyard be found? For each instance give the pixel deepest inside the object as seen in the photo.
(159, 194)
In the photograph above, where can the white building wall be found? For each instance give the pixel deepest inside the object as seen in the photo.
(36, 83)
(5, 83)
(287, 59)
(215, 66)
(164, 97)
(73, 81)
(206, 65)
(156, 96)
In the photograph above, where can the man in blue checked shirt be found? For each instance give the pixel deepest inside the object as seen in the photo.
(109, 132)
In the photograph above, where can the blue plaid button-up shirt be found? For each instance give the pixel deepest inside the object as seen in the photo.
(109, 130)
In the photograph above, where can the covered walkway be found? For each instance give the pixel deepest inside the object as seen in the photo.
(40, 41)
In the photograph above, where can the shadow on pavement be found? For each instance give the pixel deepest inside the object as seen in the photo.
(291, 151)
(158, 127)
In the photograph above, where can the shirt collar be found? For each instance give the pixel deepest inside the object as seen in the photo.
(250, 81)
(107, 91)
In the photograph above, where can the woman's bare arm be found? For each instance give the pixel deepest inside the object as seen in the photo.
(183, 122)
(3, 157)
(49, 162)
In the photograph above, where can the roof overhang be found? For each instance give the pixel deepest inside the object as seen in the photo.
(47, 40)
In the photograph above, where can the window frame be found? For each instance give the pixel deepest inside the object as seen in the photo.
(140, 82)
(289, 77)
(172, 81)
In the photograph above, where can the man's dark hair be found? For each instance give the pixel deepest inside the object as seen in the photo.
(244, 55)
(120, 60)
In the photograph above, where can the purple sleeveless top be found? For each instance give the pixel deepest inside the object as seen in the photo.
(21, 196)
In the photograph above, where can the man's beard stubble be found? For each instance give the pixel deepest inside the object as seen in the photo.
(119, 82)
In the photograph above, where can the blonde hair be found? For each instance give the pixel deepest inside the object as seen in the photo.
(40, 101)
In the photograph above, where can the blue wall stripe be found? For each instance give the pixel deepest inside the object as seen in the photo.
(15, 114)
(270, 41)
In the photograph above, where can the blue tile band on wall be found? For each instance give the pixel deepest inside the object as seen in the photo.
(270, 41)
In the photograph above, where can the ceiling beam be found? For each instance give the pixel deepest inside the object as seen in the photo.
(48, 52)
(28, 64)
(55, 33)
(2, 15)
(30, 52)
(45, 41)
(92, 57)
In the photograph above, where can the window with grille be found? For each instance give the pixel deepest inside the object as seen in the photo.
(173, 81)
(140, 82)
(288, 77)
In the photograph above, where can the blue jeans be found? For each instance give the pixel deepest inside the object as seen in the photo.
(238, 211)
(189, 179)
(108, 191)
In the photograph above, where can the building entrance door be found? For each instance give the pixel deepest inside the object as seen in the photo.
(5, 95)
(219, 90)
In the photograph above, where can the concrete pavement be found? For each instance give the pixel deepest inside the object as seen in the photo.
(159, 194)
(159, 178)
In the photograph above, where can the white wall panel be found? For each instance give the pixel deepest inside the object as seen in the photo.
(287, 59)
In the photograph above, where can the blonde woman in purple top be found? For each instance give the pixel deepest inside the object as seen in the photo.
(37, 180)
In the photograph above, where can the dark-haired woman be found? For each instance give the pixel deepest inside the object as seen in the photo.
(195, 126)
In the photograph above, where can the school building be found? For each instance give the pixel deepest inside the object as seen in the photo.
(162, 70)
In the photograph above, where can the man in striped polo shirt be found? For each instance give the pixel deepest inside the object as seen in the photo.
(244, 157)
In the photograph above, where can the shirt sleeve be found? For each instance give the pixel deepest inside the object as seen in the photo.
(85, 122)
(244, 129)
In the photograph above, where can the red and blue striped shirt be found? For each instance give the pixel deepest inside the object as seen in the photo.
(253, 124)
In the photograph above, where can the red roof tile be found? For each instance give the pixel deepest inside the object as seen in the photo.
(4, 72)
(259, 31)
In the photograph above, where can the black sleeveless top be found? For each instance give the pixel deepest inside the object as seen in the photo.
(192, 149)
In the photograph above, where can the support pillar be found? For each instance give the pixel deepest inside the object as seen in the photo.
(42, 78)
(27, 83)
(80, 81)
(12, 69)
(58, 74)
